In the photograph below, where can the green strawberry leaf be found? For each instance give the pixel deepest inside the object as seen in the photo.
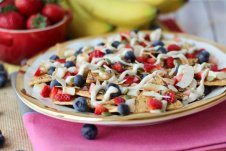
(40, 21)
(8, 8)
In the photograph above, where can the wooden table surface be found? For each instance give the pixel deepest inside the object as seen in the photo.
(204, 18)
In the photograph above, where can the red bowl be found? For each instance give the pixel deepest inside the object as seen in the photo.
(16, 45)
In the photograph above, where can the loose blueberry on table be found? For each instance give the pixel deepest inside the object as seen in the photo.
(2, 139)
(89, 131)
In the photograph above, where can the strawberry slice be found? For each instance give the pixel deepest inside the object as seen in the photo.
(198, 75)
(63, 97)
(67, 74)
(150, 60)
(171, 95)
(118, 67)
(45, 91)
(173, 47)
(148, 67)
(128, 46)
(154, 104)
(214, 67)
(147, 37)
(131, 79)
(142, 44)
(223, 70)
(99, 109)
(141, 59)
(96, 54)
(38, 72)
(119, 100)
(169, 62)
(190, 55)
(53, 92)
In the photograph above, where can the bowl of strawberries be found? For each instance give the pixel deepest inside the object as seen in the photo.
(30, 26)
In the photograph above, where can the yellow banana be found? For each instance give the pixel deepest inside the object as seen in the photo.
(83, 24)
(120, 12)
(165, 6)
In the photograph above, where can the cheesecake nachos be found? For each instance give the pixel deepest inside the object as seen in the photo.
(131, 72)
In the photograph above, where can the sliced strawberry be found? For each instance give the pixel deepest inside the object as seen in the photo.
(100, 109)
(53, 92)
(223, 70)
(63, 97)
(154, 104)
(190, 55)
(118, 67)
(38, 72)
(197, 52)
(142, 44)
(45, 91)
(148, 67)
(141, 59)
(128, 46)
(150, 60)
(67, 74)
(173, 47)
(169, 62)
(96, 54)
(214, 67)
(61, 60)
(131, 79)
(171, 95)
(198, 75)
(119, 100)
(147, 37)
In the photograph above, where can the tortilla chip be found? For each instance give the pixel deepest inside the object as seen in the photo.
(41, 79)
(215, 83)
(174, 106)
(141, 104)
(93, 77)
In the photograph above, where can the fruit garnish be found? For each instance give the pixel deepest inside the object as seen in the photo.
(100, 109)
(190, 55)
(170, 97)
(96, 54)
(198, 75)
(38, 72)
(118, 67)
(119, 100)
(63, 97)
(37, 21)
(214, 67)
(148, 67)
(80, 104)
(53, 12)
(29, 7)
(45, 91)
(170, 62)
(131, 79)
(61, 60)
(173, 47)
(154, 104)
(123, 109)
(53, 92)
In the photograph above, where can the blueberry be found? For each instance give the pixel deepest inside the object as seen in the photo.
(2, 139)
(130, 56)
(115, 44)
(203, 56)
(2, 68)
(207, 90)
(54, 57)
(3, 78)
(54, 83)
(81, 105)
(79, 81)
(69, 64)
(157, 43)
(89, 131)
(113, 95)
(123, 109)
(135, 31)
(162, 50)
(101, 44)
(51, 70)
(108, 51)
(143, 75)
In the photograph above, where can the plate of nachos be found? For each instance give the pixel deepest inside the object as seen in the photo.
(129, 78)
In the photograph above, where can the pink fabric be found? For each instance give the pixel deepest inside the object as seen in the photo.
(202, 131)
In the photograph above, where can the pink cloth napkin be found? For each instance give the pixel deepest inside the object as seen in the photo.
(202, 131)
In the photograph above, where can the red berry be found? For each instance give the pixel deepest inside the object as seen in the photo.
(150, 60)
(171, 95)
(198, 75)
(173, 47)
(37, 21)
(12, 20)
(118, 67)
(214, 67)
(29, 7)
(100, 109)
(61, 60)
(141, 59)
(147, 37)
(63, 97)
(154, 104)
(96, 54)
(38, 72)
(197, 52)
(53, 92)
(67, 74)
(169, 62)
(128, 46)
(142, 44)
(6, 3)
(54, 12)
(223, 70)
(148, 67)
(131, 79)
(190, 55)
(119, 100)
(45, 91)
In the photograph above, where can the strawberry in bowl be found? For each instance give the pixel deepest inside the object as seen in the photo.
(27, 27)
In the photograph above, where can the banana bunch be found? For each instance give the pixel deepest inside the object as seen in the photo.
(94, 17)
